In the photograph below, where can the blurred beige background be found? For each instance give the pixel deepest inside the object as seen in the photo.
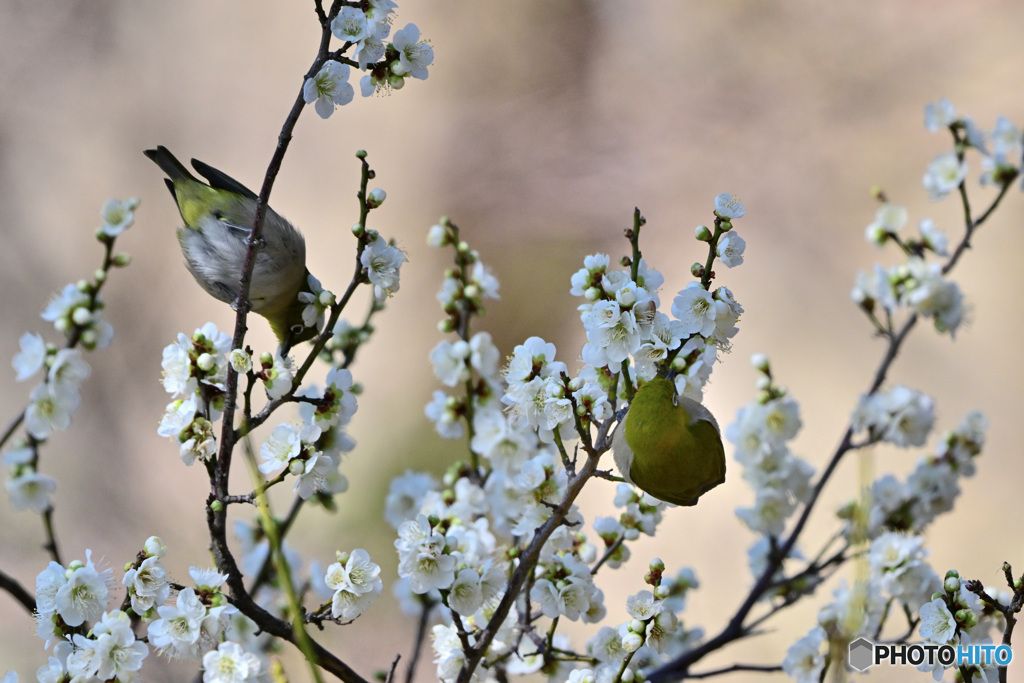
(542, 125)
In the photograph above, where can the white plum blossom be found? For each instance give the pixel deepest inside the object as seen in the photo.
(730, 249)
(484, 355)
(382, 263)
(889, 219)
(448, 653)
(938, 115)
(230, 663)
(935, 239)
(30, 490)
(1006, 140)
(405, 495)
(643, 605)
(805, 658)
(944, 175)
(356, 583)
(176, 633)
(729, 207)
(118, 216)
(900, 562)
(279, 377)
(335, 406)
(449, 361)
(484, 281)
(588, 277)
(350, 25)
(62, 306)
(414, 54)
(442, 412)
(695, 308)
(466, 594)
(31, 356)
(147, 584)
(117, 653)
(937, 622)
(900, 416)
(281, 446)
(329, 88)
(84, 596)
(178, 417)
(48, 412)
(933, 296)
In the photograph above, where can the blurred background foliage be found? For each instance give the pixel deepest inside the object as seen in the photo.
(540, 128)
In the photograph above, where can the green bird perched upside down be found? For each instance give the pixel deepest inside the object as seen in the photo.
(669, 446)
(218, 219)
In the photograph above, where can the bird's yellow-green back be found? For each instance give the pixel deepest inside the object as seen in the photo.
(676, 458)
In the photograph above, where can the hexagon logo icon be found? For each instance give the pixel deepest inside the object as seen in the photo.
(861, 654)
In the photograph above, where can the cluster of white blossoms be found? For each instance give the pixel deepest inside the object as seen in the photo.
(459, 539)
(389, 64)
(898, 512)
(77, 314)
(899, 416)
(931, 488)
(780, 479)
(194, 371)
(356, 583)
(94, 643)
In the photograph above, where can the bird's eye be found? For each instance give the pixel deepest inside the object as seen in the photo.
(297, 329)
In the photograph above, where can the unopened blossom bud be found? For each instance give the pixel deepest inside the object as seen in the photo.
(81, 315)
(436, 236)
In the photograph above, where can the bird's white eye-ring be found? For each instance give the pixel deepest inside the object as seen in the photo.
(297, 329)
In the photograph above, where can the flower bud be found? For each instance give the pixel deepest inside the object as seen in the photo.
(81, 315)
(436, 236)
(702, 233)
(154, 547)
(952, 584)
(631, 642)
